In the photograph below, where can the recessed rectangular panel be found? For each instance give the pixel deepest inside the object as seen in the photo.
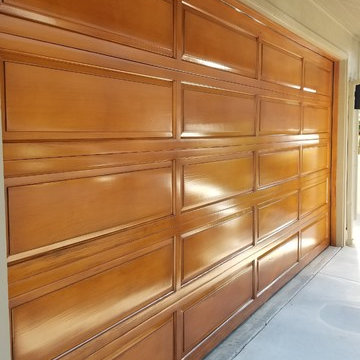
(314, 235)
(218, 112)
(316, 119)
(49, 212)
(158, 345)
(43, 99)
(274, 263)
(211, 181)
(125, 21)
(317, 79)
(277, 214)
(313, 197)
(205, 248)
(279, 117)
(280, 66)
(211, 311)
(216, 45)
(315, 158)
(64, 318)
(278, 166)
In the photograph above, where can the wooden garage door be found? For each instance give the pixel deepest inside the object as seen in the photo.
(167, 169)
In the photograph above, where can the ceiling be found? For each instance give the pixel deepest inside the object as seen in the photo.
(345, 12)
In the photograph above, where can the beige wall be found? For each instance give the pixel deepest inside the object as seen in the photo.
(4, 313)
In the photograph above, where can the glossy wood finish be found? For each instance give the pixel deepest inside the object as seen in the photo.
(114, 20)
(277, 166)
(211, 245)
(313, 197)
(276, 214)
(215, 112)
(152, 337)
(159, 342)
(210, 312)
(313, 235)
(86, 103)
(315, 158)
(317, 78)
(316, 119)
(212, 44)
(288, 73)
(167, 170)
(279, 117)
(206, 182)
(96, 200)
(276, 262)
(138, 282)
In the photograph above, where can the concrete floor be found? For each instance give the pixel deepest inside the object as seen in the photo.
(320, 322)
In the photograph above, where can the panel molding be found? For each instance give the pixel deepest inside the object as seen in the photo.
(215, 137)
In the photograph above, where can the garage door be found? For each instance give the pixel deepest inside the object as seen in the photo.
(167, 169)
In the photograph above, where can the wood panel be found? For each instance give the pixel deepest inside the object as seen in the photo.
(210, 312)
(49, 100)
(276, 214)
(314, 197)
(281, 66)
(314, 235)
(279, 117)
(126, 21)
(278, 166)
(276, 262)
(164, 163)
(316, 119)
(210, 181)
(85, 205)
(157, 342)
(317, 79)
(90, 305)
(210, 112)
(315, 158)
(204, 248)
(212, 43)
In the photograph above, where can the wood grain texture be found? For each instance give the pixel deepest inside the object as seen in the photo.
(276, 262)
(279, 117)
(334, 151)
(155, 336)
(315, 158)
(41, 99)
(55, 211)
(317, 78)
(313, 235)
(313, 197)
(280, 66)
(125, 21)
(210, 43)
(211, 245)
(210, 112)
(276, 214)
(316, 119)
(210, 181)
(208, 313)
(160, 342)
(278, 166)
(166, 163)
(90, 305)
